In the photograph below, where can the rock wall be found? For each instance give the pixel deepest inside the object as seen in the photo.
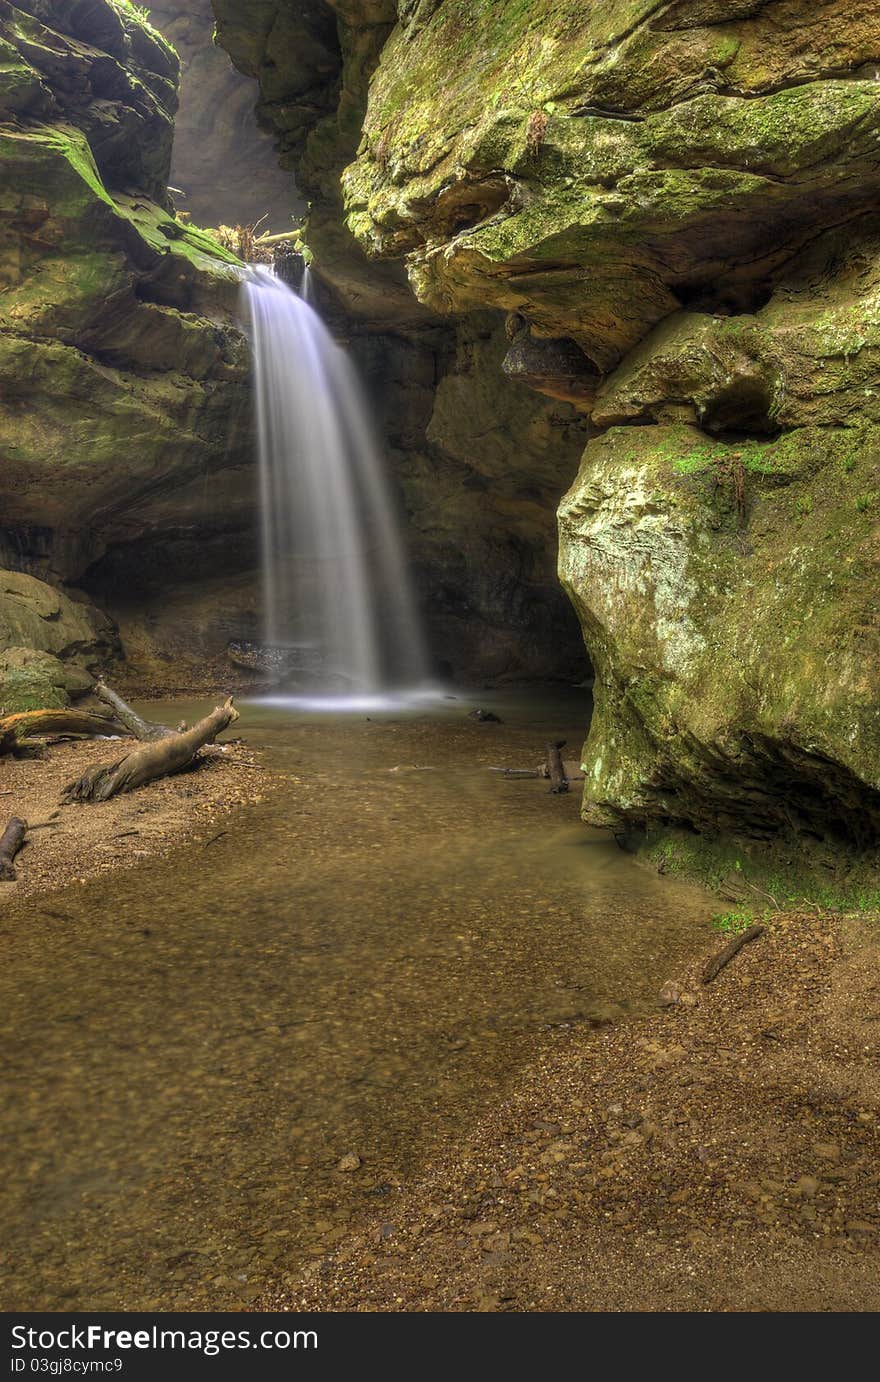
(674, 205)
(479, 464)
(479, 461)
(124, 421)
(125, 427)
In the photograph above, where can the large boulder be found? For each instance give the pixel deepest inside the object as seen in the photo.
(724, 558)
(51, 646)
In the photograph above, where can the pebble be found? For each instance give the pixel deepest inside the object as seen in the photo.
(670, 994)
(827, 1151)
(350, 1162)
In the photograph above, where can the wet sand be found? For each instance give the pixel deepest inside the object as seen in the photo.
(721, 1155)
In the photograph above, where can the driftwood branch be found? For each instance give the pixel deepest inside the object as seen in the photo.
(724, 957)
(11, 842)
(556, 767)
(516, 772)
(279, 239)
(25, 724)
(144, 730)
(152, 760)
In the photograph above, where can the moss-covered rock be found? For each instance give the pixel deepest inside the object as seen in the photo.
(100, 66)
(726, 583)
(685, 195)
(125, 397)
(50, 644)
(536, 158)
(30, 680)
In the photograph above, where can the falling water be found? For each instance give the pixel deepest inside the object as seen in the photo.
(336, 587)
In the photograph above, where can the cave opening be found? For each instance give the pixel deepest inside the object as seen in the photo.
(742, 409)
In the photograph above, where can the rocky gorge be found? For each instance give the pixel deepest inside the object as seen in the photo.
(440, 384)
(618, 262)
(674, 205)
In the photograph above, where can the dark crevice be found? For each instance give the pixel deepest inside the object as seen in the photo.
(741, 410)
(600, 113)
(773, 790)
(727, 300)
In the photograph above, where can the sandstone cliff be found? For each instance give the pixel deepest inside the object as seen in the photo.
(123, 423)
(674, 203)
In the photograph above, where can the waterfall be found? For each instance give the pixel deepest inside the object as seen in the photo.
(338, 602)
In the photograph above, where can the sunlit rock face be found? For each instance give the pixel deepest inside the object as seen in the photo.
(683, 194)
(224, 169)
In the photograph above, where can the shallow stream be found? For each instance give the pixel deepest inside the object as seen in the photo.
(356, 965)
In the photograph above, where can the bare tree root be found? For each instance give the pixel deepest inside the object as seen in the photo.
(26, 724)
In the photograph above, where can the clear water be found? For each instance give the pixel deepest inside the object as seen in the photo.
(360, 963)
(336, 585)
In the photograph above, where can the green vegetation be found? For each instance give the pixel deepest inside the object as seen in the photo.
(734, 921)
(769, 878)
(141, 14)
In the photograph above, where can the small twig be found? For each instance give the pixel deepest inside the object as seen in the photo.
(214, 838)
(724, 957)
(762, 893)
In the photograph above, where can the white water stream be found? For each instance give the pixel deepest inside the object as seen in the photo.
(337, 593)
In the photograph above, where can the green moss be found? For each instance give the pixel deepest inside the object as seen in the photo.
(140, 15)
(25, 690)
(732, 922)
(768, 877)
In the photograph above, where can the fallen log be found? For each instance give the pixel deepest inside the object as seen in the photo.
(11, 842)
(724, 957)
(27, 724)
(157, 759)
(144, 730)
(556, 768)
